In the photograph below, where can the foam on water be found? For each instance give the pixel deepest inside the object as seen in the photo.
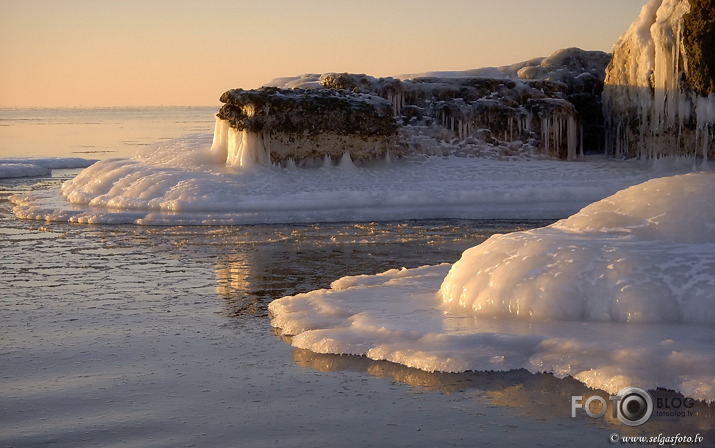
(182, 181)
(619, 294)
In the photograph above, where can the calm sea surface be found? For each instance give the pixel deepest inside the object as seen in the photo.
(159, 336)
(96, 133)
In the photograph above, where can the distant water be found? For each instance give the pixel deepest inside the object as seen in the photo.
(96, 133)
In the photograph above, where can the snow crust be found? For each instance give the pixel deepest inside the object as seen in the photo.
(186, 181)
(618, 294)
(19, 167)
(566, 62)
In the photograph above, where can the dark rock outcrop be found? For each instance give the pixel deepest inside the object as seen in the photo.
(699, 43)
(308, 112)
(272, 125)
(548, 106)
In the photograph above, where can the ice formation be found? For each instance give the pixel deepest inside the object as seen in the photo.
(29, 167)
(641, 255)
(650, 104)
(181, 182)
(545, 103)
(619, 294)
(272, 126)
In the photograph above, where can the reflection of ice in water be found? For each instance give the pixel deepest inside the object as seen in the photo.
(575, 298)
(514, 389)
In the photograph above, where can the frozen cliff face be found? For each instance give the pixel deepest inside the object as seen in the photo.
(546, 105)
(659, 95)
(272, 125)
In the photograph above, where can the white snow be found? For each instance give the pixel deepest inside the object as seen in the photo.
(645, 254)
(187, 181)
(551, 67)
(28, 167)
(618, 294)
(8, 170)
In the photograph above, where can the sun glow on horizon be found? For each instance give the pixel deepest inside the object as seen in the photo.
(136, 53)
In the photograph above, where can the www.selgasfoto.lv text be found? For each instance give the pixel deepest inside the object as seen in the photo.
(660, 439)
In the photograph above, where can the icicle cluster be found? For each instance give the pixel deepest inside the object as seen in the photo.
(238, 148)
(650, 109)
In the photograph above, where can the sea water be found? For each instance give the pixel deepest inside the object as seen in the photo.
(155, 336)
(96, 133)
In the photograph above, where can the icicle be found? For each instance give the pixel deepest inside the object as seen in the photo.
(572, 138)
(706, 143)
(557, 124)
(219, 147)
(246, 149)
(545, 134)
(346, 162)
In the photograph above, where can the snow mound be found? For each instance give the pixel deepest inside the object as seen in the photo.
(644, 254)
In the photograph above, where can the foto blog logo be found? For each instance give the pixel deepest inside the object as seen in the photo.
(633, 406)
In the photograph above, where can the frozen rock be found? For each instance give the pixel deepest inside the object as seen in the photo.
(659, 95)
(272, 125)
(551, 105)
(699, 43)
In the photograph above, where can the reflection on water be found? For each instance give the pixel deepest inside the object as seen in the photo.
(540, 396)
(256, 264)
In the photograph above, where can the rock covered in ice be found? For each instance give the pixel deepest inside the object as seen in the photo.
(659, 98)
(272, 125)
(551, 105)
(295, 111)
(641, 255)
(565, 65)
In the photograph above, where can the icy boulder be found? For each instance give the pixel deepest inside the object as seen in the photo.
(551, 105)
(272, 125)
(644, 254)
(659, 94)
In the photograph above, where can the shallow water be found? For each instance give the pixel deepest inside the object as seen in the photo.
(159, 336)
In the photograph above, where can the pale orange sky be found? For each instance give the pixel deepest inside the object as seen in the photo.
(77, 53)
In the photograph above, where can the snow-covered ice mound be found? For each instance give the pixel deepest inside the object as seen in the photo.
(620, 294)
(645, 254)
(181, 182)
(29, 167)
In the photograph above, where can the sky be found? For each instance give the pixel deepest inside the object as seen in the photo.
(89, 53)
